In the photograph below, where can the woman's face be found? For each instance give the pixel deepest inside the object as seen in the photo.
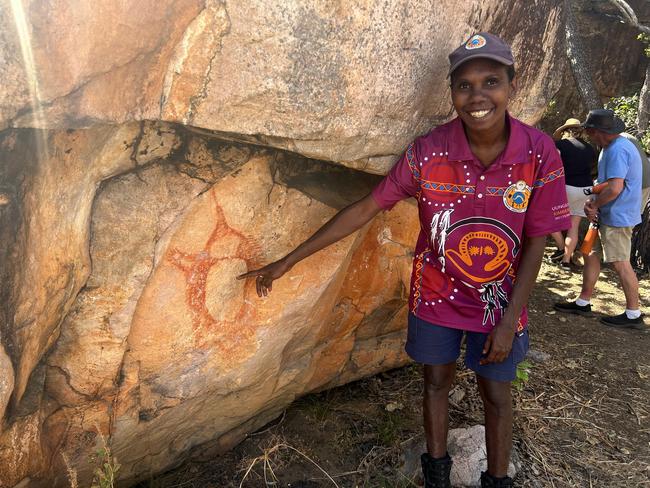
(480, 91)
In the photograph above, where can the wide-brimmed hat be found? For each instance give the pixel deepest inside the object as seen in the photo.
(481, 45)
(569, 124)
(604, 120)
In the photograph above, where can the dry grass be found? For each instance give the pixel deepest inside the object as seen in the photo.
(70, 471)
(266, 459)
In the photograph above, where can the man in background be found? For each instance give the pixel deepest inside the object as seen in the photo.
(617, 210)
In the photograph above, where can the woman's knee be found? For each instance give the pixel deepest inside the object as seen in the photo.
(438, 379)
(497, 396)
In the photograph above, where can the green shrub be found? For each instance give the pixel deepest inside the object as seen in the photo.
(106, 473)
(523, 371)
(627, 108)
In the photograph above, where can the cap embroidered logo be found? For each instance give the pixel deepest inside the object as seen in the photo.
(475, 42)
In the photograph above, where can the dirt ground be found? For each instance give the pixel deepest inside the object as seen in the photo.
(581, 420)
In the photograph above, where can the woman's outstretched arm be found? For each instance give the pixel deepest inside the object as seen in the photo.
(344, 223)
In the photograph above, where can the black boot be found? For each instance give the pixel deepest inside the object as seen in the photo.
(436, 471)
(489, 481)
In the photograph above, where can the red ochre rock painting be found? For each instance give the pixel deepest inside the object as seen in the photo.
(227, 335)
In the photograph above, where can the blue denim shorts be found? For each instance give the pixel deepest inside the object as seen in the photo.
(433, 344)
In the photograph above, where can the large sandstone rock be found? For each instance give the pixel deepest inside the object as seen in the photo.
(155, 345)
(52, 262)
(351, 84)
(608, 42)
(348, 83)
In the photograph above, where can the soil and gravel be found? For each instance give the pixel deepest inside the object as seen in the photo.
(581, 420)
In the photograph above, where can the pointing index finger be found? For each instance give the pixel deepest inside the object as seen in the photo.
(248, 274)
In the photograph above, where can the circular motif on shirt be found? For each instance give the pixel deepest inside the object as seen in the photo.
(481, 256)
(516, 196)
(480, 250)
(475, 42)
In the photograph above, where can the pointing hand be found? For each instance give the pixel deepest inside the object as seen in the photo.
(265, 276)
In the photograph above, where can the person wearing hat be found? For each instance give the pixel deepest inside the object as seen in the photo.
(578, 158)
(616, 209)
(489, 189)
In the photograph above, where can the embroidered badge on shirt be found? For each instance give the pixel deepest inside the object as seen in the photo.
(475, 42)
(516, 197)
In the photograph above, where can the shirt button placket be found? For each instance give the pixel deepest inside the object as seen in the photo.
(481, 191)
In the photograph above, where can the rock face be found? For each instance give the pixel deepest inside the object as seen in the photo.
(143, 165)
(160, 345)
(348, 83)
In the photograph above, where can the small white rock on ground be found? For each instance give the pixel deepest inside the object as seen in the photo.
(538, 356)
(466, 448)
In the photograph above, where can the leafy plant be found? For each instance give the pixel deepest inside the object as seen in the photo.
(627, 108)
(316, 406)
(522, 375)
(645, 39)
(551, 110)
(106, 473)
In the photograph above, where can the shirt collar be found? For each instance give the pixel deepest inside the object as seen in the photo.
(516, 150)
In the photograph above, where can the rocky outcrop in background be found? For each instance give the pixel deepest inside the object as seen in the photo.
(152, 151)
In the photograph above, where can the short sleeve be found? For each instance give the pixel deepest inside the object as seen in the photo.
(400, 182)
(548, 209)
(618, 163)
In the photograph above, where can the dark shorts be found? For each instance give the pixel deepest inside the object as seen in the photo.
(433, 344)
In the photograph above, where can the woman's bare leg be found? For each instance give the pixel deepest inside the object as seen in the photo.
(437, 383)
(571, 239)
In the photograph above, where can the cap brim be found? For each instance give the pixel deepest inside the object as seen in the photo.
(494, 57)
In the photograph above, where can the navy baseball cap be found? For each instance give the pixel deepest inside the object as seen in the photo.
(481, 45)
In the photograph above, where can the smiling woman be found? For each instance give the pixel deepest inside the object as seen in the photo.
(485, 184)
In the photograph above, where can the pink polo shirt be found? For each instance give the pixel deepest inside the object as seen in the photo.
(473, 219)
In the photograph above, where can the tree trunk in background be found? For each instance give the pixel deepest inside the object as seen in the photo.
(579, 65)
(644, 102)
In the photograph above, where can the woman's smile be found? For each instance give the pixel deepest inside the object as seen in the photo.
(480, 114)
